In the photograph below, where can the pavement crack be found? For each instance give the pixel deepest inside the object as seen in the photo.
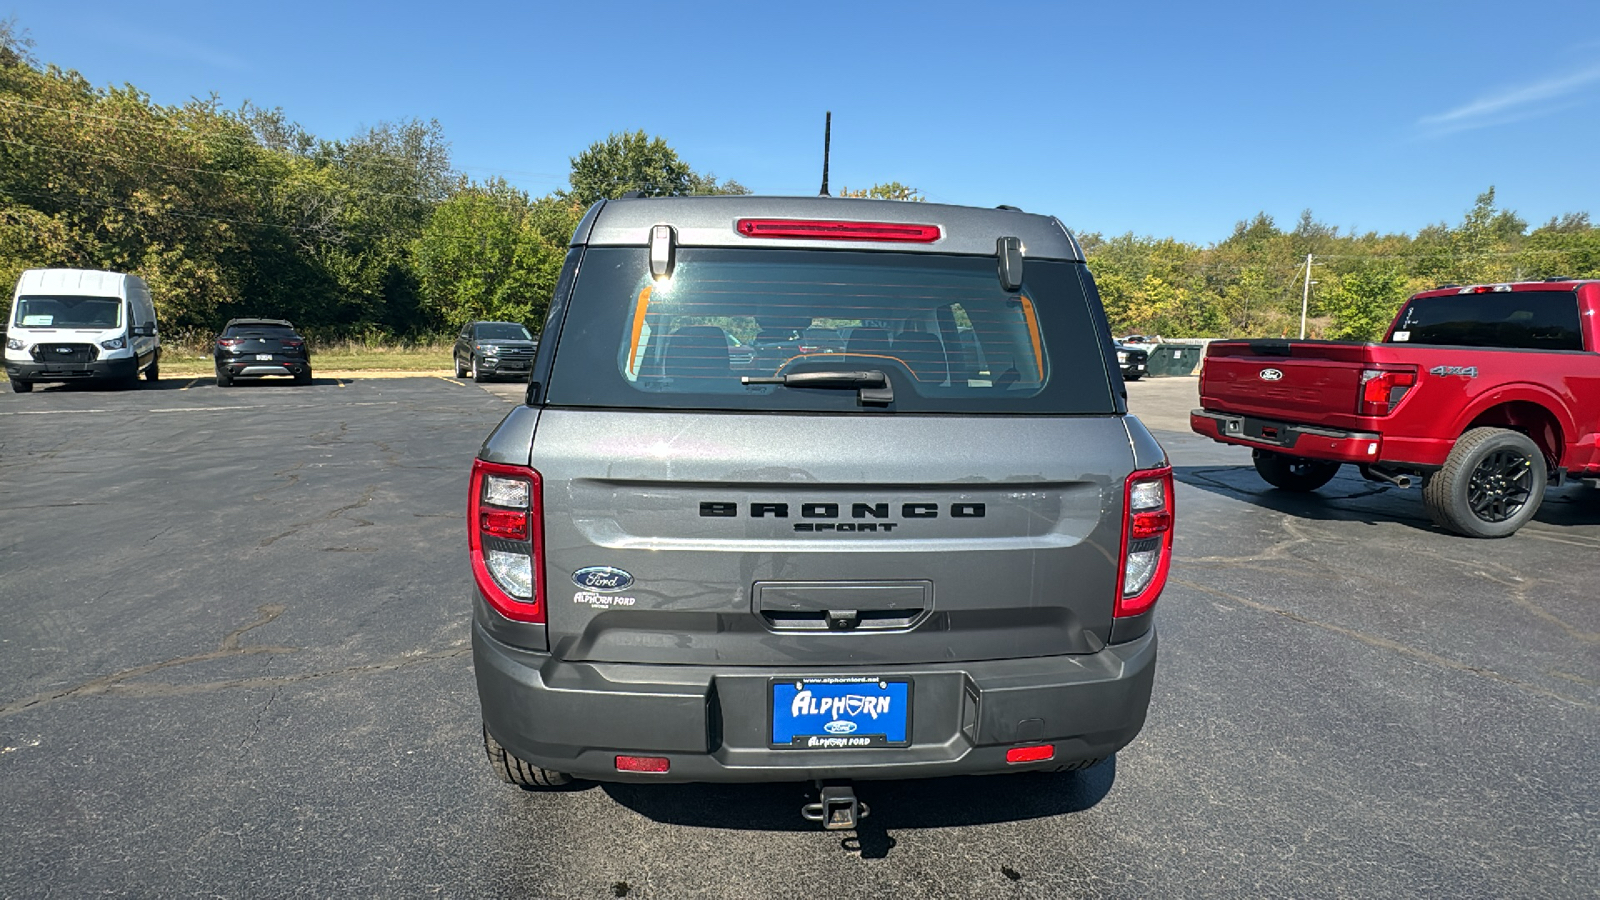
(327, 517)
(107, 683)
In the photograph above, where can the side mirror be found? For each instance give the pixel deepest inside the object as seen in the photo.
(144, 330)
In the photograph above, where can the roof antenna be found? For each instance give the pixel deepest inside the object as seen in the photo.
(827, 138)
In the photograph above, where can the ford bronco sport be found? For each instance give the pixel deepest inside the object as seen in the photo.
(930, 548)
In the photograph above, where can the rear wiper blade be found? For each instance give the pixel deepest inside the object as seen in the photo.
(874, 385)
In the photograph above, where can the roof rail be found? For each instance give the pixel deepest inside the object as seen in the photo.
(1561, 278)
(1010, 207)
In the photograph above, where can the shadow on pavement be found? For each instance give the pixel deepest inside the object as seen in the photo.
(1351, 498)
(895, 805)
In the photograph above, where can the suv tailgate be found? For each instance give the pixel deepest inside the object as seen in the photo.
(775, 540)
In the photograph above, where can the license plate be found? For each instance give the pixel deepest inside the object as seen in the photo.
(267, 357)
(840, 712)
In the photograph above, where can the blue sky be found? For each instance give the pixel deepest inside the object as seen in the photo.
(1161, 118)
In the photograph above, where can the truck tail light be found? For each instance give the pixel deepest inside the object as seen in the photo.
(1146, 540)
(1381, 390)
(505, 534)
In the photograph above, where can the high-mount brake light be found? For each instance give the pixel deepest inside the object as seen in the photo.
(830, 230)
(505, 535)
(1146, 540)
(1382, 389)
(1486, 289)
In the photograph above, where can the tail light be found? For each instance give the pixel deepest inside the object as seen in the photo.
(1146, 540)
(505, 531)
(1381, 390)
(230, 343)
(293, 345)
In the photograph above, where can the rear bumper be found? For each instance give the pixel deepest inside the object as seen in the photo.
(98, 370)
(712, 722)
(490, 365)
(1307, 441)
(242, 368)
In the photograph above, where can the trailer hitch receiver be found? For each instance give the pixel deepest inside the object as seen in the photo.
(837, 809)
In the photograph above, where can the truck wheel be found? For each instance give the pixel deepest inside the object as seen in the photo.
(1492, 483)
(1291, 473)
(514, 771)
(20, 386)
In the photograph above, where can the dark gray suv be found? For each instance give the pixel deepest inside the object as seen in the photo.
(931, 546)
(486, 350)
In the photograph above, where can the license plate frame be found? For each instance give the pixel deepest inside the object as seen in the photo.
(857, 695)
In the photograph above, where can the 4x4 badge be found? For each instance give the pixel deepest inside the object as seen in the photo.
(604, 579)
(1271, 374)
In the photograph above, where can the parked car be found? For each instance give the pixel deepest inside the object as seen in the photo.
(875, 563)
(261, 348)
(487, 350)
(1487, 394)
(81, 325)
(1135, 361)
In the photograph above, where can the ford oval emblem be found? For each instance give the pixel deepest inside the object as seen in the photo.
(604, 579)
(1271, 374)
(839, 726)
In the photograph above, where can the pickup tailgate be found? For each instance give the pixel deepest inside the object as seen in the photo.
(1297, 381)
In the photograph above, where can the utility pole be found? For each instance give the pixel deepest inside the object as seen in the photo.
(1305, 298)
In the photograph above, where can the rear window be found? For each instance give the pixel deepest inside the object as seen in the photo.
(1532, 320)
(941, 328)
(263, 331)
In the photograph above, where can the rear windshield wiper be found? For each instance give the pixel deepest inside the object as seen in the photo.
(874, 385)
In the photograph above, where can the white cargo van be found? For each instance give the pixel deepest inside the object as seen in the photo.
(81, 325)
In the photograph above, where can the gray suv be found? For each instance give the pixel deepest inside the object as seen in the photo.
(930, 547)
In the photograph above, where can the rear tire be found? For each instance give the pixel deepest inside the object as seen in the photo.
(1491, 484)
(20, 386)
(1292, 473)
(153, 374)
(224, 379)
(514, 771)
(303, 377)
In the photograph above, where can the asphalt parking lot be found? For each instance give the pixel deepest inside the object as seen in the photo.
(234, 662)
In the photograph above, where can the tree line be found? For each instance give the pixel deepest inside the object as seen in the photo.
(241, 211)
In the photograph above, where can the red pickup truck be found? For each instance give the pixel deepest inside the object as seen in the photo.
(1487, 394)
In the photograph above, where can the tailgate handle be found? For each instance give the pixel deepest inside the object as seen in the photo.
(843, 619)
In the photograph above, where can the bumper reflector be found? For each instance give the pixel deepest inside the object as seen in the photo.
(656, 764)
(1036, 753)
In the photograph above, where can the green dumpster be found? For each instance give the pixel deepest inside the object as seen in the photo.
(1176, 359)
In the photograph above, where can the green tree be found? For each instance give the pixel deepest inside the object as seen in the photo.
(888, 190)
(483, 256)
(1362, 303)
(628, 162)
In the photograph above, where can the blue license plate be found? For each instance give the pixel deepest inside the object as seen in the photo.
(840, 712)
